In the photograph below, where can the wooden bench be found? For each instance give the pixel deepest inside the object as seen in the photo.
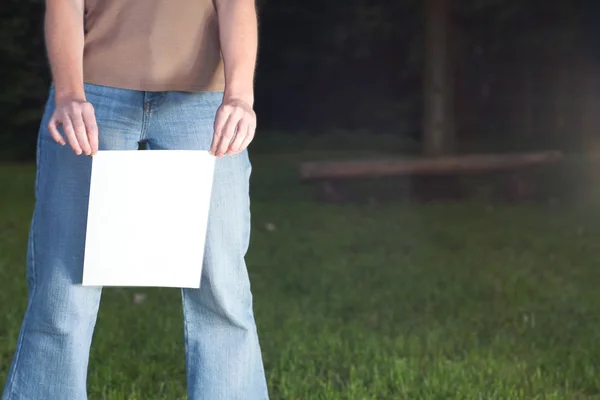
(326, 173)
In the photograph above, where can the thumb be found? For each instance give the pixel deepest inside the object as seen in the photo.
(54, 133)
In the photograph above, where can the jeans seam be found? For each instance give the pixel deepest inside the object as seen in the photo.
(145, 120)
(146, 114)
(185, 332)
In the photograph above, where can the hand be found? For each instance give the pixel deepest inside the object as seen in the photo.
(79, 125)
(235, 125)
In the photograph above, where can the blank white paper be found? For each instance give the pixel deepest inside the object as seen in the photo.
(147, 218)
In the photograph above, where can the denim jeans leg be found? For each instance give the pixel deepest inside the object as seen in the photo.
(223, 355)
(51, 358)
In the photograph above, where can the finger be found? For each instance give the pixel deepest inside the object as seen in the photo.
(242, 131)
(220, 121)
(249, 137)
(91, 126)
(54, 133)
(80, 132)
(227, 134)
(70, 134)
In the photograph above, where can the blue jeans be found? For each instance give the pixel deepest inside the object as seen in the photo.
(223, 357)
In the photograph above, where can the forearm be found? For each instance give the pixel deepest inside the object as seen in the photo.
(238, 33)
(64, 37)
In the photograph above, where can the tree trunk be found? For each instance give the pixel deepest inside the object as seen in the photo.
(438, 116)
(528, 97)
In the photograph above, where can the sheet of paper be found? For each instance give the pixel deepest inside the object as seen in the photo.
(147, 218)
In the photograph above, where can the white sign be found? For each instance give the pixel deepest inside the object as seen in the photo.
(147, 218)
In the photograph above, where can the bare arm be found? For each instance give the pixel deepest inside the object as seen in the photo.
(239, 42)
(64, 36)
(64, 43)
(235, 123)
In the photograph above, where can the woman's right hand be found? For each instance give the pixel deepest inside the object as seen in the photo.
(79, 125)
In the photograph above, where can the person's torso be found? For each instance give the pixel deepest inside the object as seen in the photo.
(153, 45)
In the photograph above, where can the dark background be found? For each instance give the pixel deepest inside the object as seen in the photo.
(524, 73)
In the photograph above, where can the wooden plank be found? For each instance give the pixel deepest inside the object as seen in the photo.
(474, 163)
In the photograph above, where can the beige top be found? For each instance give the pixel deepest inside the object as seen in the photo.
(153, 45)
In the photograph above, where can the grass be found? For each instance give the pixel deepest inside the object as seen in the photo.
(365, 302)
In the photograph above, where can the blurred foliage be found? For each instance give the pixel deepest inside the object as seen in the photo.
(358, 64)
(24, 78)
(323, 65)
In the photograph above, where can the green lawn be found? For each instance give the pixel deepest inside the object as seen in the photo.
(357, 302)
